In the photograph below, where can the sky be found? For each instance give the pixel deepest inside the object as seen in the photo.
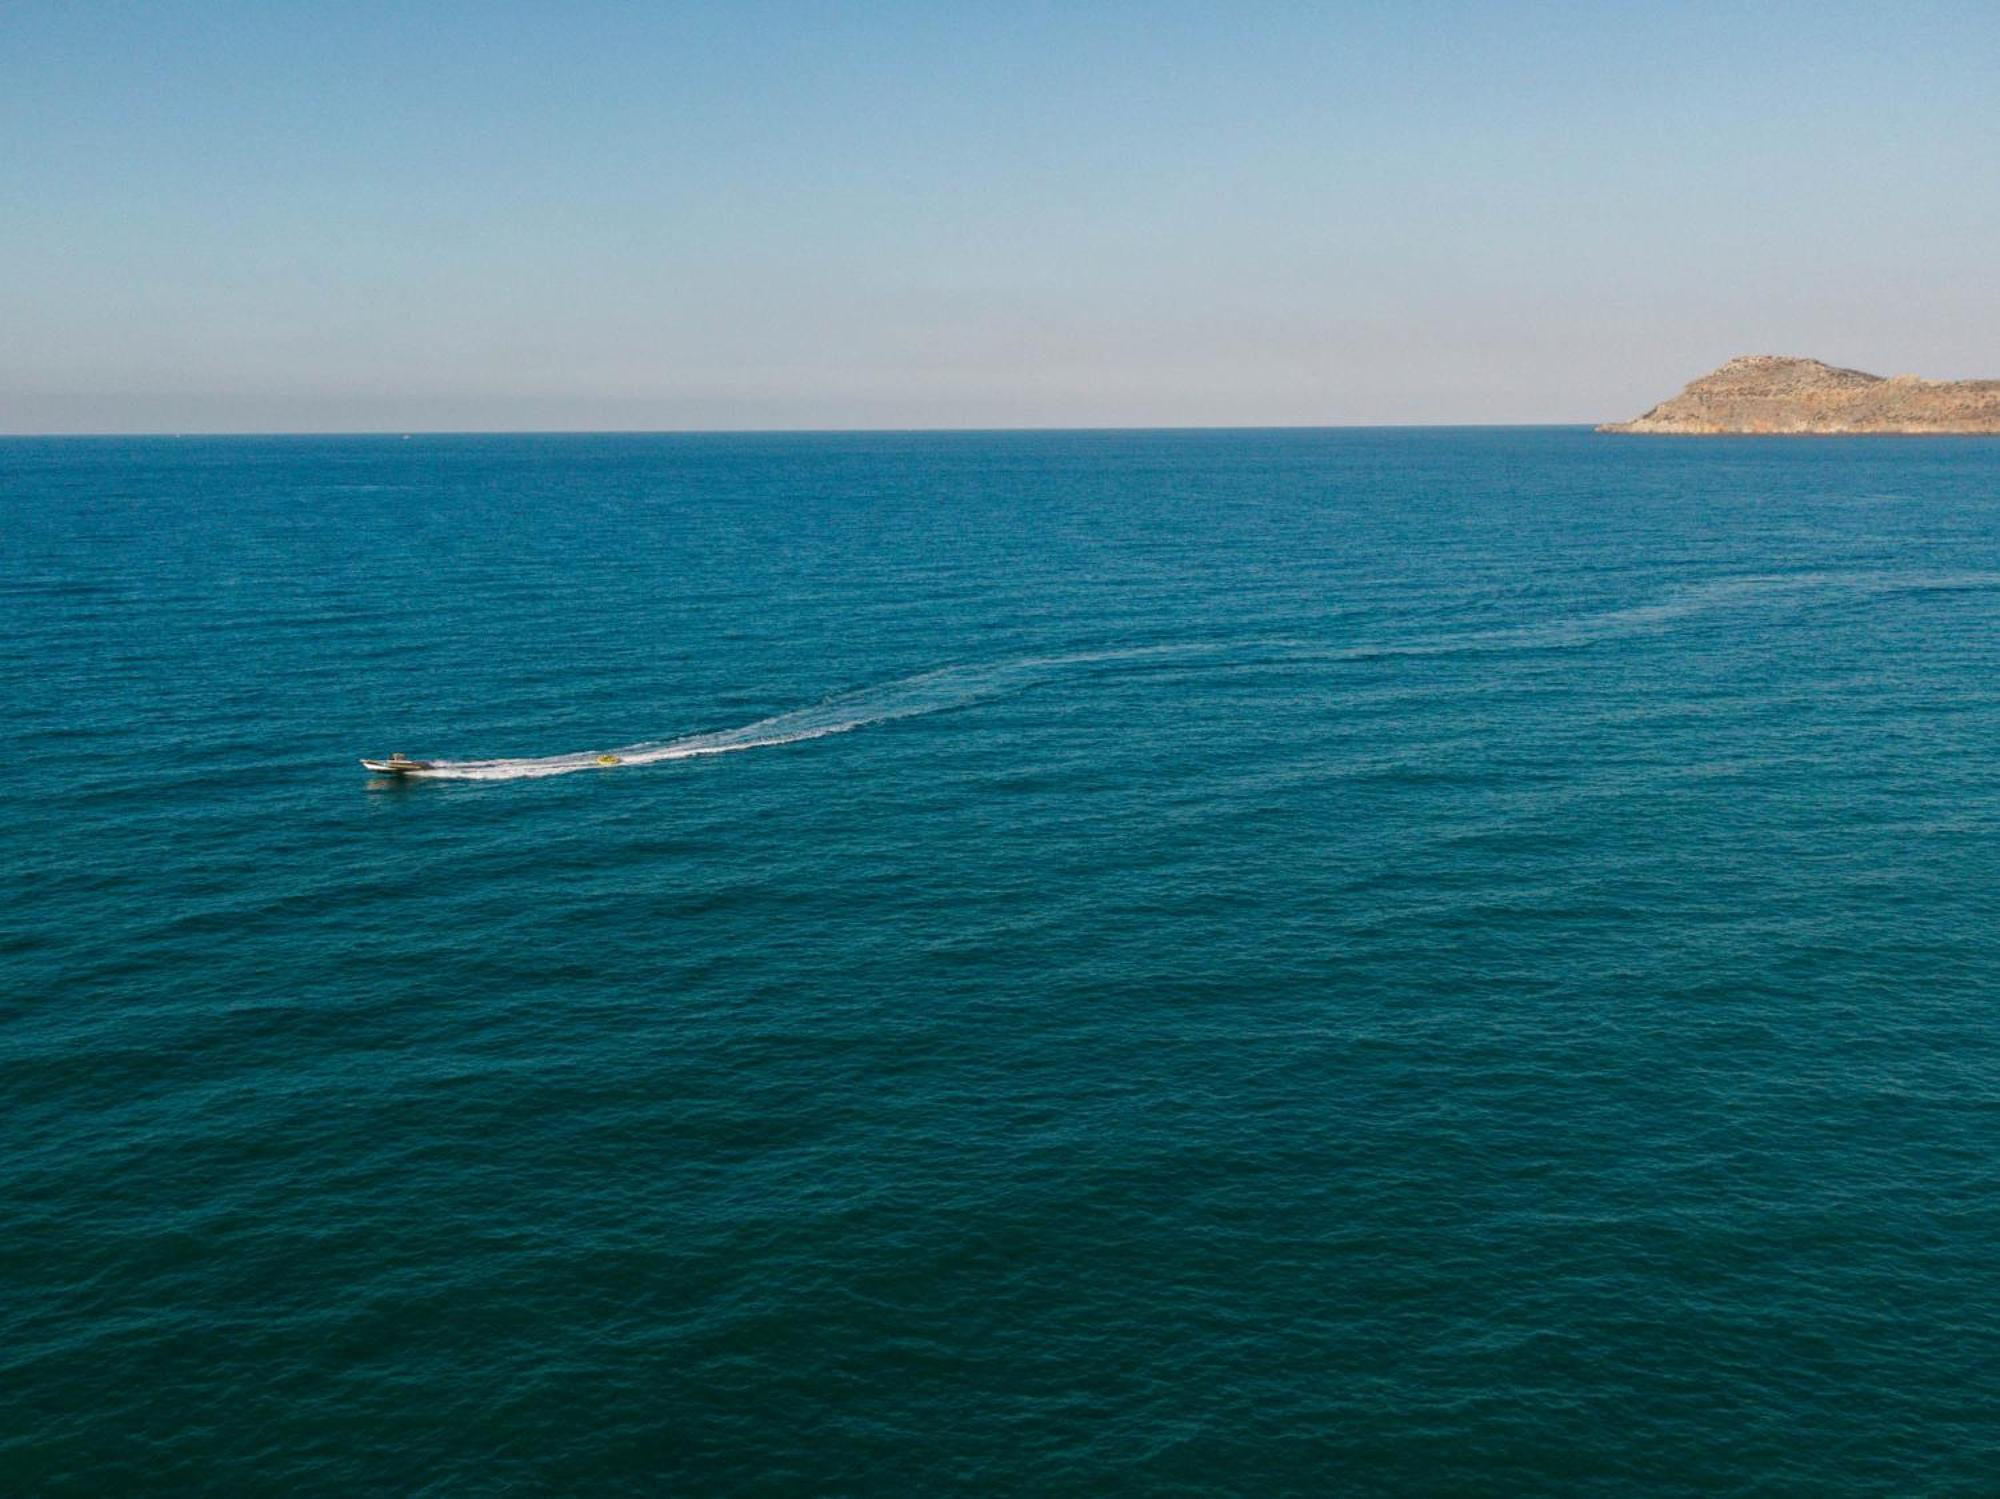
(292, 216)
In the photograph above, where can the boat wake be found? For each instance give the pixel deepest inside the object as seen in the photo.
(952, 687)
(928, 692)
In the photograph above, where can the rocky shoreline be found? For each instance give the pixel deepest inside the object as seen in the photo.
(1769, 394)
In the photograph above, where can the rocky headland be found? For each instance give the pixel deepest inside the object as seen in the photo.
(1768, 393)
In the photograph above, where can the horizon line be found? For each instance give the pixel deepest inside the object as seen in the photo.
(399, 433)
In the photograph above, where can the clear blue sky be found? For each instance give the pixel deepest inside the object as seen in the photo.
(293, 216)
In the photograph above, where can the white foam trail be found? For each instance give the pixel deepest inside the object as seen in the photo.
(952, 687)
(928, 692)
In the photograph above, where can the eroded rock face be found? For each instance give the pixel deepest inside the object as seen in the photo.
(1767, 393)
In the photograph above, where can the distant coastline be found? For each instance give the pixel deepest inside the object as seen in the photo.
(1773, 395)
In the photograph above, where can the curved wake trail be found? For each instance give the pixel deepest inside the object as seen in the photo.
(952, 687)
(936, 691)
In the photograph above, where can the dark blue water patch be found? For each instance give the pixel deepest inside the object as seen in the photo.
(1371, 961)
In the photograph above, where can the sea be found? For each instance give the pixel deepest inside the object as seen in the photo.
(1396, 961)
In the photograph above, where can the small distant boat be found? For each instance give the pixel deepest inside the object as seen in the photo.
(399, 765)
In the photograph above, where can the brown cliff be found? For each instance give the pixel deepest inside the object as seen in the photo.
(1766, 393)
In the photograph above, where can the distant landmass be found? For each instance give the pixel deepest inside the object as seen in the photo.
(1769, 393)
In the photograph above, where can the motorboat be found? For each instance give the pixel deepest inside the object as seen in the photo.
(399, 765)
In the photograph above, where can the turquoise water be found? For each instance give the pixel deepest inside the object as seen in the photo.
(1368, 961)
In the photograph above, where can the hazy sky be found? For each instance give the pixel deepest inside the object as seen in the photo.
(295, 216)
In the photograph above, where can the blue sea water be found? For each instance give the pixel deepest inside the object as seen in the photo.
(1377, 962)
